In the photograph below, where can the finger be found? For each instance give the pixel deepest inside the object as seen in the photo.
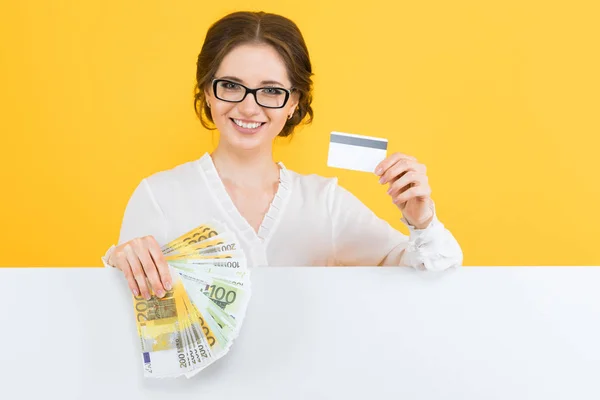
(161, 263)
(419, 169)
(138, 271)
(413, 192)
(408, 180)
(123, 265)
(143, 254)
(398, 169)
(414, 166)
(391, 160)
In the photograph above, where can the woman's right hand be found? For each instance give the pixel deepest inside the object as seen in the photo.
(140, 259)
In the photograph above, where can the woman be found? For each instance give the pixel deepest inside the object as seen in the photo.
(254, 84)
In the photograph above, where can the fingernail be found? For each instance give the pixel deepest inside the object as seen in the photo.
(389, 191)
(378, 171)
(136, 292)
(168, 286)
(381, 180)
(146, 296)
(160, 293)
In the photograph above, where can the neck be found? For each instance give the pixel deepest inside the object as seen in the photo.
(245, 168)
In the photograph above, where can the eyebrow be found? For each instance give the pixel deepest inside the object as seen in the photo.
(233, 78)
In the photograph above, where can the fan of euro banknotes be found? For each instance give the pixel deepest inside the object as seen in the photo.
(195, 323)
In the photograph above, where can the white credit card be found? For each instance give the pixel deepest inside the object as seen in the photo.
(356, 152)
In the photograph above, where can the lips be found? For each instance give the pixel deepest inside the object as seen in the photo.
(247, 124)
(247, 127)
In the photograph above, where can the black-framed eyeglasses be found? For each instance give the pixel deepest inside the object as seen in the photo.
(234, 92)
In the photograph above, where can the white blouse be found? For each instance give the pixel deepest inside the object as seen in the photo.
(312, 221)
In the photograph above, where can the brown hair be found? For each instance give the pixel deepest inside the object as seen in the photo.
(262, 28)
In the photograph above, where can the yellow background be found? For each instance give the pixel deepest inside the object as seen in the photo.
(499, 99)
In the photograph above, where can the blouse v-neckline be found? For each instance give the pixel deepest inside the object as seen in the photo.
(222, 197)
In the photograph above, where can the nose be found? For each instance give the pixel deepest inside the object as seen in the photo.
(249, 106)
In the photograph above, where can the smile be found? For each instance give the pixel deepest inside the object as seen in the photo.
(247, 125)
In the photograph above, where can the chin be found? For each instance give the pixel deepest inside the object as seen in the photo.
(246, 142)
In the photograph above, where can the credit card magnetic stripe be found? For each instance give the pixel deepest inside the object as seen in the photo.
(359, 141)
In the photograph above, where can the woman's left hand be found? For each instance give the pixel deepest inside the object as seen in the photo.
(408, 187)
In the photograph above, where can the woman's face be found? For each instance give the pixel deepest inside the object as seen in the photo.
(246, 125)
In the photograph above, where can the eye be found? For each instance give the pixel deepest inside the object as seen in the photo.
(229, 85)
(273, 91)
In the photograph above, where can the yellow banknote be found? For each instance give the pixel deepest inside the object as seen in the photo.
(161, 325)
(198, 234)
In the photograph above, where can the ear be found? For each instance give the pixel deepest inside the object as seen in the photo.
(207, 94)
(294, 101)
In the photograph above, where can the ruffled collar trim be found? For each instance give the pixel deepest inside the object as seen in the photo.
(242, 226)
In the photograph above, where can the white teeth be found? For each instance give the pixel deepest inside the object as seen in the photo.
(251, 125)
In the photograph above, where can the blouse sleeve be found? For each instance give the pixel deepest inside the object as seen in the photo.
(362, 238)
(142, 217)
